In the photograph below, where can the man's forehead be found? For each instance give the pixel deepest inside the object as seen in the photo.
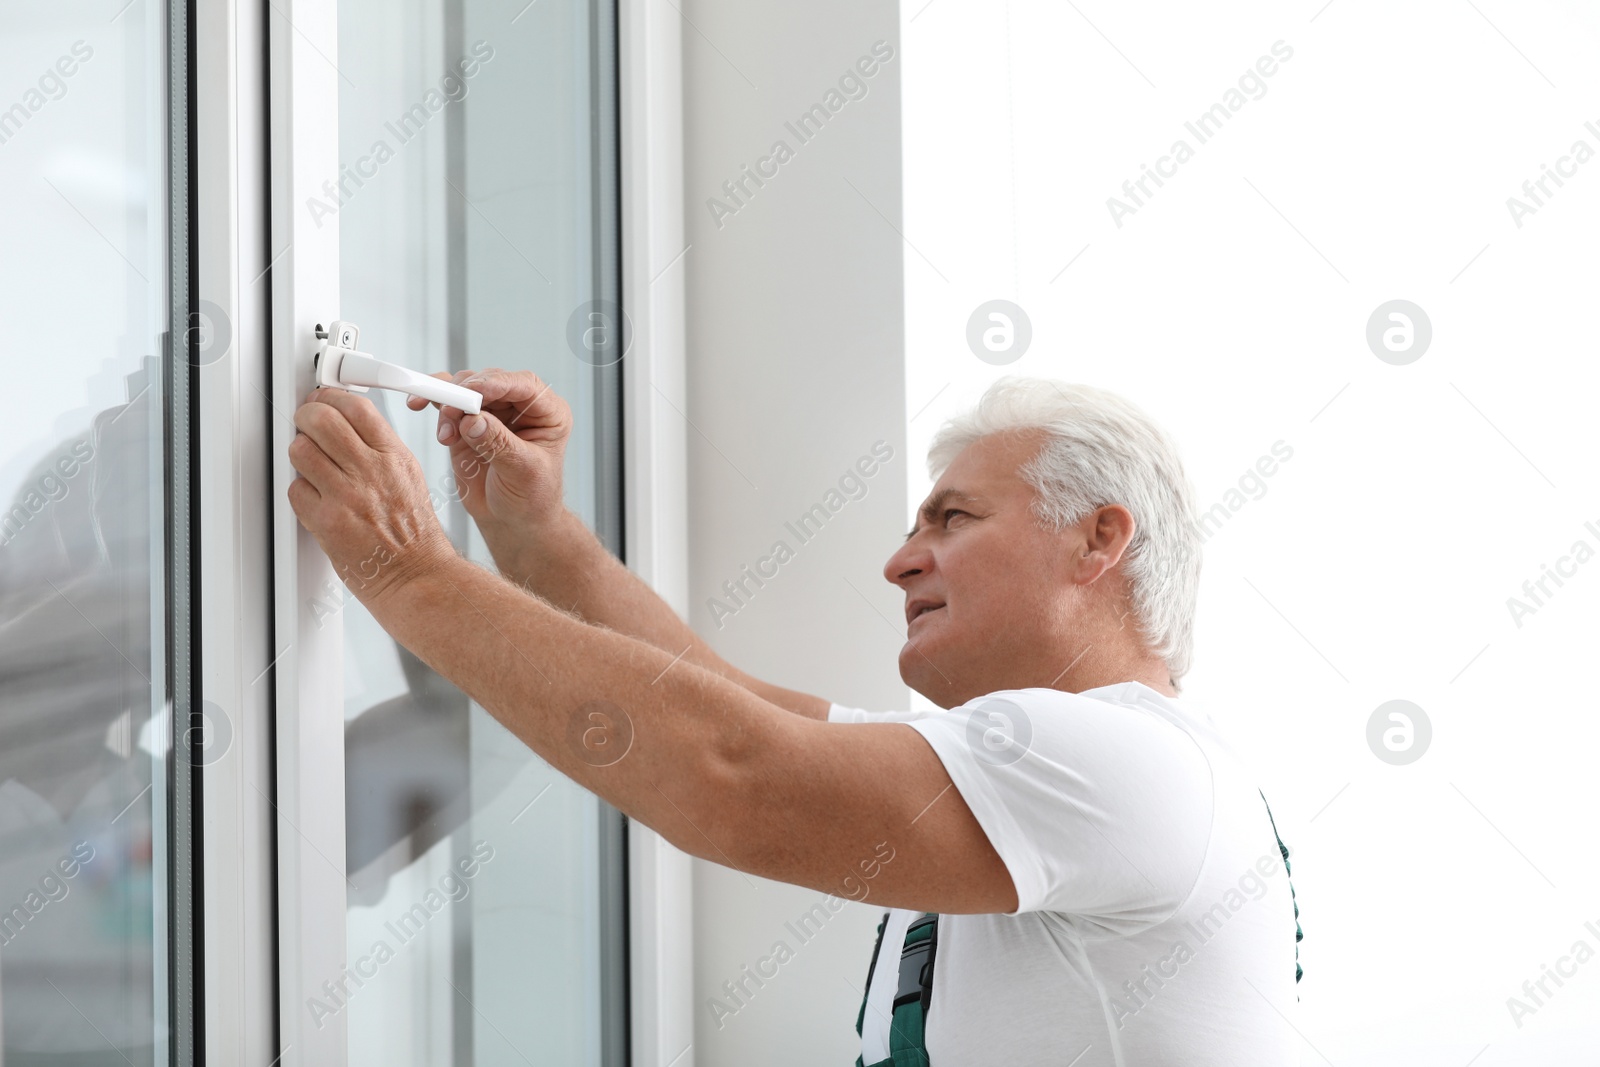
(982, 473)
(989, 465)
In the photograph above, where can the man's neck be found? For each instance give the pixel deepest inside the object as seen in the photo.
(1086, 673)
(1150, 672)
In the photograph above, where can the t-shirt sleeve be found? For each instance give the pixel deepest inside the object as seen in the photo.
(841, 713)
(1097, 809)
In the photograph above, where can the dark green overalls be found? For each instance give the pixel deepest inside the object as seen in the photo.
(912, 994)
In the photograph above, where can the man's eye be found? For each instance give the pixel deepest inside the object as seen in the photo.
(951, 511)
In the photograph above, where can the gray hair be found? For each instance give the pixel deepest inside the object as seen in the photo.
(1101, 449)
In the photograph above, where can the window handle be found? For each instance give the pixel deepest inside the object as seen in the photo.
(338, 364)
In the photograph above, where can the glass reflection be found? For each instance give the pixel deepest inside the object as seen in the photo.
(467, 204)
(82, 475)
(79, 729)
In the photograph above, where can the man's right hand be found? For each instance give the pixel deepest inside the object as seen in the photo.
(507, 461)
(510, 481)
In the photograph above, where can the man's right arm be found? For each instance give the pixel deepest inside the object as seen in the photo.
(565, 564)
(508, 467)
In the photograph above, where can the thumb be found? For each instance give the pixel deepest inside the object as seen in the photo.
(491, 442)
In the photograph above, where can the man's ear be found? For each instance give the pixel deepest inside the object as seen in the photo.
(1106, 536)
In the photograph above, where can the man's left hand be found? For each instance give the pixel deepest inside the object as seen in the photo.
(362, 495)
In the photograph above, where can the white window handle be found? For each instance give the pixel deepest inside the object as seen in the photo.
(338, 364)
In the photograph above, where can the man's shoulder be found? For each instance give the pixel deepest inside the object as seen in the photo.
(1123, 705)
(1116, 733)
(1120, 694)
(1120, 707)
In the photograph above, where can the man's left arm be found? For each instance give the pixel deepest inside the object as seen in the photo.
(714, 768)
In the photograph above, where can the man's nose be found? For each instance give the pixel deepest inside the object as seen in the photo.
(910, 561)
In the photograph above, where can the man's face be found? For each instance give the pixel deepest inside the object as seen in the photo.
(991, 596)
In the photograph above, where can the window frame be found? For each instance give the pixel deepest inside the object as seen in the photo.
(235, 1020)
(271, 842)
(655, 481)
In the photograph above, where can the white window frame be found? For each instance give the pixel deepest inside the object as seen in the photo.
(273, 803)
(655, 483)
(308, 674)
(234, 508)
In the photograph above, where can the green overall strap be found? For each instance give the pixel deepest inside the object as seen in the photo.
(913, 994)
(1284, 850)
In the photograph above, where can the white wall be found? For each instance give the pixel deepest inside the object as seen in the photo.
(795, 368)
(1377, 563)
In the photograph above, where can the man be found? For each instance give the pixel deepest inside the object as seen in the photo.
(1106, 880)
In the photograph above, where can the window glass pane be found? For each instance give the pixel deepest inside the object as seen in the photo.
(468, 211)
(83, 620)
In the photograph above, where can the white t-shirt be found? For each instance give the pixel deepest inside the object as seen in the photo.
(1154, 924)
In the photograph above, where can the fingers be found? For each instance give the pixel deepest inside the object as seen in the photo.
(469, 473)
(359, 415)
(521, 398)
(312, 462)
(328, 429)
(303, 496)
(450, 417)
(448, 429)
(487, 437)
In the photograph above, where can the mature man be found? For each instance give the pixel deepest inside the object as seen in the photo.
(1086, 866)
